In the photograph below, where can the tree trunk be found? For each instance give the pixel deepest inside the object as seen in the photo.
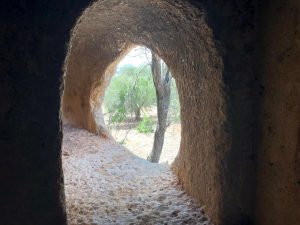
(162, 85)
(137, 114)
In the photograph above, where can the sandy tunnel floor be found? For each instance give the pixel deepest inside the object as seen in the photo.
(106, 184)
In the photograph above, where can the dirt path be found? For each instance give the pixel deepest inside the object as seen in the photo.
(141, 144)
(106, 184)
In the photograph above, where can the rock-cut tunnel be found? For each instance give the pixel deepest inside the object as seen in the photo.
(236, 65)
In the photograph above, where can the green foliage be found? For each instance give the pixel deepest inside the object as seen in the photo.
(146, 125)
(115, 99)
(119, 115)
(122, 142)
(130, 91)
(142, 94)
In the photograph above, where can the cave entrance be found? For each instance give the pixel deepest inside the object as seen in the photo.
(100, 169)
(130, 107)
(105, 183)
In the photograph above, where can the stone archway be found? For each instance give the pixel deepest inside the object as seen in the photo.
(179, 33)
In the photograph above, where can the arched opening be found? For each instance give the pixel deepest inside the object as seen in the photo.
(136, 191)
(131, 108)
(169, 30)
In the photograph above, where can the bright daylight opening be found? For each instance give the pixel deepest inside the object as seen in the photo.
(132, 112)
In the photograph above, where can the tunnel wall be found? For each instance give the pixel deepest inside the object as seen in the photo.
(212, 69)
(278, 192)
(234, 28)
(33, 41)
(162, 26)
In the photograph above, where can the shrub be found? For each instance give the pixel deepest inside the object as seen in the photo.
(130, 91)
(146, 125)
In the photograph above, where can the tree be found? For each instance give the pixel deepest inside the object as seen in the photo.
(130, 90)
(162, 83)
(142, 94)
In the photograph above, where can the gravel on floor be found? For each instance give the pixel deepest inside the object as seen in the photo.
(106, 184)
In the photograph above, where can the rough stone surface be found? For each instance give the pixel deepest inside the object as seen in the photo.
(216, 86)
(107, 184)
(278, 191)
(33, 41)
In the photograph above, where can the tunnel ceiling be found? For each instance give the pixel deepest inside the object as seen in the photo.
(108, 29)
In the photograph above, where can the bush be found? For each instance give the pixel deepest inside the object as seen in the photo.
(118, 116)
(146, 125)
(130, 91)
(114, 100)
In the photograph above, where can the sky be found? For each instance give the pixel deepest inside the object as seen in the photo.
(137, 56)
